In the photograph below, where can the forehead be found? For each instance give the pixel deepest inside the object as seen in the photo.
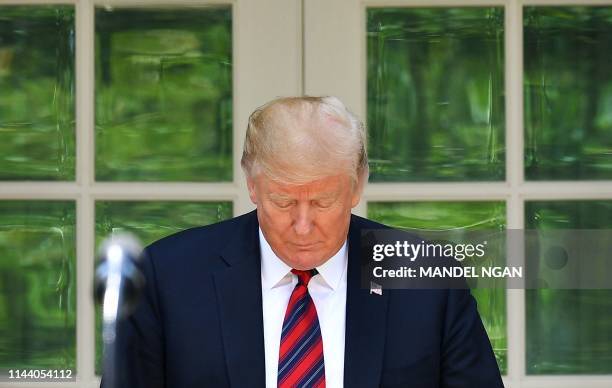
(321, 187)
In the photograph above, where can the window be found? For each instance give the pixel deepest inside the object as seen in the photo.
(124, 114)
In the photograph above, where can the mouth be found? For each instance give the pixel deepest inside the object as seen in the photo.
(305, 246)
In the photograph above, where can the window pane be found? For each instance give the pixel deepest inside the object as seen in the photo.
(37, 93)
(164, 94)
(37, 285)
(453, 215)
(569, 331)
(151, 221)
(568, 92)
(435, 80)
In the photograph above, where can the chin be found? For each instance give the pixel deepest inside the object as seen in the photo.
(305, 261)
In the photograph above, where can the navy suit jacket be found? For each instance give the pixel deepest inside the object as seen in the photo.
(200, 321)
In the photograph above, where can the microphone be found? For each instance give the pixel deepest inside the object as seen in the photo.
(118, 285)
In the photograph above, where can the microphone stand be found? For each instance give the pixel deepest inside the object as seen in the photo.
(118, 285)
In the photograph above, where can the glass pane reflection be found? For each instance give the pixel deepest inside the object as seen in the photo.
(150, 221)
(435, 90)
(37, 92)
(37, 285)
(568, 92)
(453, 215)
(164, 94)
(569, 331)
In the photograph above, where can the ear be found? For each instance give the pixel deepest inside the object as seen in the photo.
(357, 190)
(252, 192)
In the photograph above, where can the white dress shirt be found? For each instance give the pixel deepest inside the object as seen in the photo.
(328, 292)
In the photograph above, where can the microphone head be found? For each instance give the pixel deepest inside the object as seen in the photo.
(120, 243)
(122, 251)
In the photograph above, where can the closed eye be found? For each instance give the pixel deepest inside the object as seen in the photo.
(283, 204)
(324, 204)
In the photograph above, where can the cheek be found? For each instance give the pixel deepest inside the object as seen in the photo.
(334, 223)
(275, 221)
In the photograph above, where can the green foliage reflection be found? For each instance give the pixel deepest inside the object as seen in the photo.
(37, 116)
(569, 331)
(37, 285)
(150, 221)
(435, 81)
(568, 92)
(450, 216)
(164, 94)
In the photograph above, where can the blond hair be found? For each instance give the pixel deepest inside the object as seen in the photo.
(301, 139)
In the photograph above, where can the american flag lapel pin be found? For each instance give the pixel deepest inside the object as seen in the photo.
(375, 288)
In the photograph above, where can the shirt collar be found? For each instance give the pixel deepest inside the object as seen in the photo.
(274, 270)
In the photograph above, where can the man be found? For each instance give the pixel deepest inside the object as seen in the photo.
(272, 298)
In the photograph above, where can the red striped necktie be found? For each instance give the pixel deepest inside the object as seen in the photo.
(300, 361)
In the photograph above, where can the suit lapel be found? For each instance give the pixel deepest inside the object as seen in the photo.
(240, 308)
(366, 316)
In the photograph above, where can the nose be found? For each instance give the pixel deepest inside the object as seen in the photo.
(302, 219)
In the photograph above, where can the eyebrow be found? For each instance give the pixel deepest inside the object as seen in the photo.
(283, 197)
(279, 196)
(328, 195)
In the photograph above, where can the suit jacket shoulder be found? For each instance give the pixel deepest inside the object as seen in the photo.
(202, 246)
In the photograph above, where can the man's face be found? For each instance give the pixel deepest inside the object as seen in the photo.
(304, 224)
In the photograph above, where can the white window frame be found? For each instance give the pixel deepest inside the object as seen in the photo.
(311, 54)
(330, 51)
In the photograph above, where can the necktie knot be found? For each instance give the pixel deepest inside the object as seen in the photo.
(304, 276)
